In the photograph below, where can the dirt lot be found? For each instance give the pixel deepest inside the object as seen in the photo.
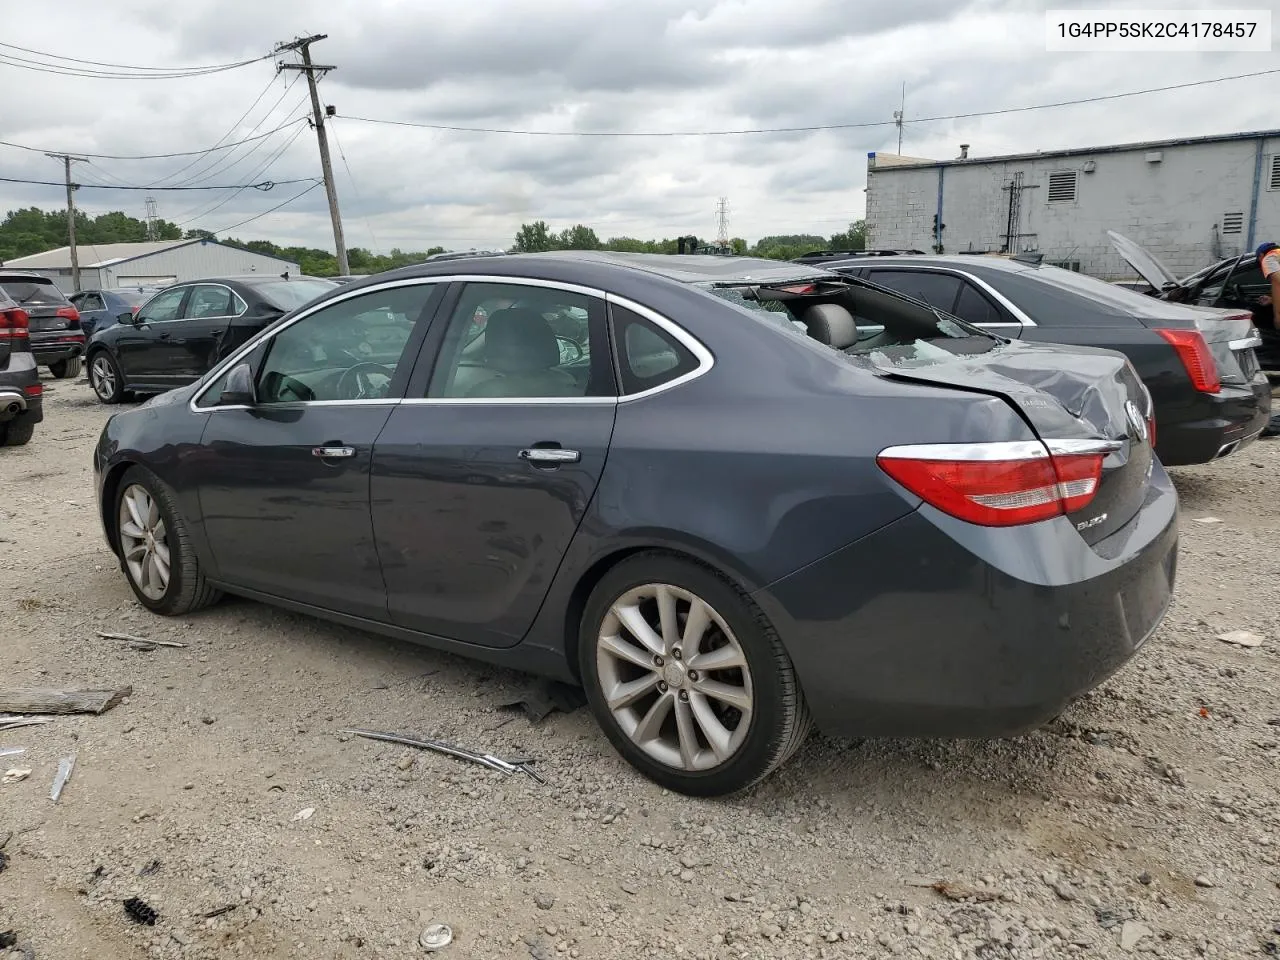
(1146, 820)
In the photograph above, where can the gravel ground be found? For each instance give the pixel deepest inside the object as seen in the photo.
(1146, 820)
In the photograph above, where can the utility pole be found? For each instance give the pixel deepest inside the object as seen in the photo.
(303, 46)
(898, 116)
(67, 160)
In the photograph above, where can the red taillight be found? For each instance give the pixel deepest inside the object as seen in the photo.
(799, 289)
(69, 312)
(13, 325)
(1194, 353)
(997, 484)
(34, 389)
(1151, 430)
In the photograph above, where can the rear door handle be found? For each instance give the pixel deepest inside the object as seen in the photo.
(550, 456)
(328, 452)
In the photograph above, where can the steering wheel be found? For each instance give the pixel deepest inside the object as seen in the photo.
(356, 382)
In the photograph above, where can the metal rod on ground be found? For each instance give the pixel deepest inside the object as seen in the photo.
(303, 46)
(71, 215)
(518, 765)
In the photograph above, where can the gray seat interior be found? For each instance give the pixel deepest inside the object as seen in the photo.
(521, 355)
(831, 324)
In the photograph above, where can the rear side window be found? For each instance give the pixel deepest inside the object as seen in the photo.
(936, 289)
(648, 356)
(975, 307)
(33, 292)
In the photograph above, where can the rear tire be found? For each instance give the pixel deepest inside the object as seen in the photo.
(105, 377)
(155, 547)
(66, 368)
(704, 712)
(16, 433)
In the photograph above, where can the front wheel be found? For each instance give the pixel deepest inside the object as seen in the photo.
(687, 677)
(155, 547)
(105, 377)
(66, 368)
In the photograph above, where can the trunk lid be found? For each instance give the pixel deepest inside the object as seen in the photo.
(1147, 264)
(1070, 394)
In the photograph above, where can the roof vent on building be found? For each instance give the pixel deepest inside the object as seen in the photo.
(964, 151)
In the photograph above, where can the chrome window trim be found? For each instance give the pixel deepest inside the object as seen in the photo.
(235, 298)
(1000, 298)
(160, 293)
(706, 360)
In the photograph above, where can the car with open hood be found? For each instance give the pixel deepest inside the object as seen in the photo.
(1199, 364)
(689, 483)
(1233, 283)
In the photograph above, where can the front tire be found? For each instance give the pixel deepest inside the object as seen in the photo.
(66, 368)
(687, 678)
(105, 377)
(155, 547)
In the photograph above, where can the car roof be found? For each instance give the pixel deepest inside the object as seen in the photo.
(23, 275)
(682, 268)
(955, 261)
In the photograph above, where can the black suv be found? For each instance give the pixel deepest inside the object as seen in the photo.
(20, 388)
(56, 338)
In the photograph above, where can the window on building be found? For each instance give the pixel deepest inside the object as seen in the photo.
(1275, 173)
(1232, 223)
(1062, 186)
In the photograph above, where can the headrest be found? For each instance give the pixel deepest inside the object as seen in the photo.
(520, 340)
(831, 324)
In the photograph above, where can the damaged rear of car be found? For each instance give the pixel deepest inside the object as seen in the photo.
(1041, 550)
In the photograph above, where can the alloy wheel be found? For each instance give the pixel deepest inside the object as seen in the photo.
(144, 542)
(674, 677)
(103, 376)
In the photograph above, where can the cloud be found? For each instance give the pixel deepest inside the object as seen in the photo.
(572, 65)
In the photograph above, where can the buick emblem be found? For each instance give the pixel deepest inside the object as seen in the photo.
(1136, 420)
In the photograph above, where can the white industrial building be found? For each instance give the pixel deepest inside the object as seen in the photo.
(1190, 202)
(109, 266)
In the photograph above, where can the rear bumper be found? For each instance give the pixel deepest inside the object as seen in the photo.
(1213, 425)
(932, 627)
(15, 403)
(52, 349)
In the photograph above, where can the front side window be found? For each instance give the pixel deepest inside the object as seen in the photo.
(507, 340)
(163, 306)
(349, 350)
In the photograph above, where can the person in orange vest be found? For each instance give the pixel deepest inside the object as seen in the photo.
(1269, 263)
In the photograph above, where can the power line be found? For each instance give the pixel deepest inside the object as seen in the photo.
(158, 156)
(74, 67)
(272, 210)
(230, 130)
(265, 165)
(264, 186)
(814, 127)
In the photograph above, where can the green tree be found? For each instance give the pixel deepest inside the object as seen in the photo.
(534, 238)
(855, 238)
(578, 237)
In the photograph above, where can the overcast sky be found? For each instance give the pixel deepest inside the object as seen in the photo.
(585, 65)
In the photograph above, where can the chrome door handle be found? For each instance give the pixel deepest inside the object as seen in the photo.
(333, 452)
(550, 455)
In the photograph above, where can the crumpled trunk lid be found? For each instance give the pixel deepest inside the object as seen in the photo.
(1063, 393)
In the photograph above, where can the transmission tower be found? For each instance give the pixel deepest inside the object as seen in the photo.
(722, 223)
(151, 216)
(899, 115)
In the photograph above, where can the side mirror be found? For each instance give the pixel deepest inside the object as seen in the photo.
(125, 317)
(238, 390)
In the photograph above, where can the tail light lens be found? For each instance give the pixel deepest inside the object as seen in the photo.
(69, 312)
(1194, 353)
(34, 389)
(1000, 484)
(13, 325)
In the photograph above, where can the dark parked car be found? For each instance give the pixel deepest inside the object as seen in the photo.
(1200, 365)
(1235, 283)
(57, 342)
(21, 393)
(177, 335)
(102, 308)
(721, 510)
